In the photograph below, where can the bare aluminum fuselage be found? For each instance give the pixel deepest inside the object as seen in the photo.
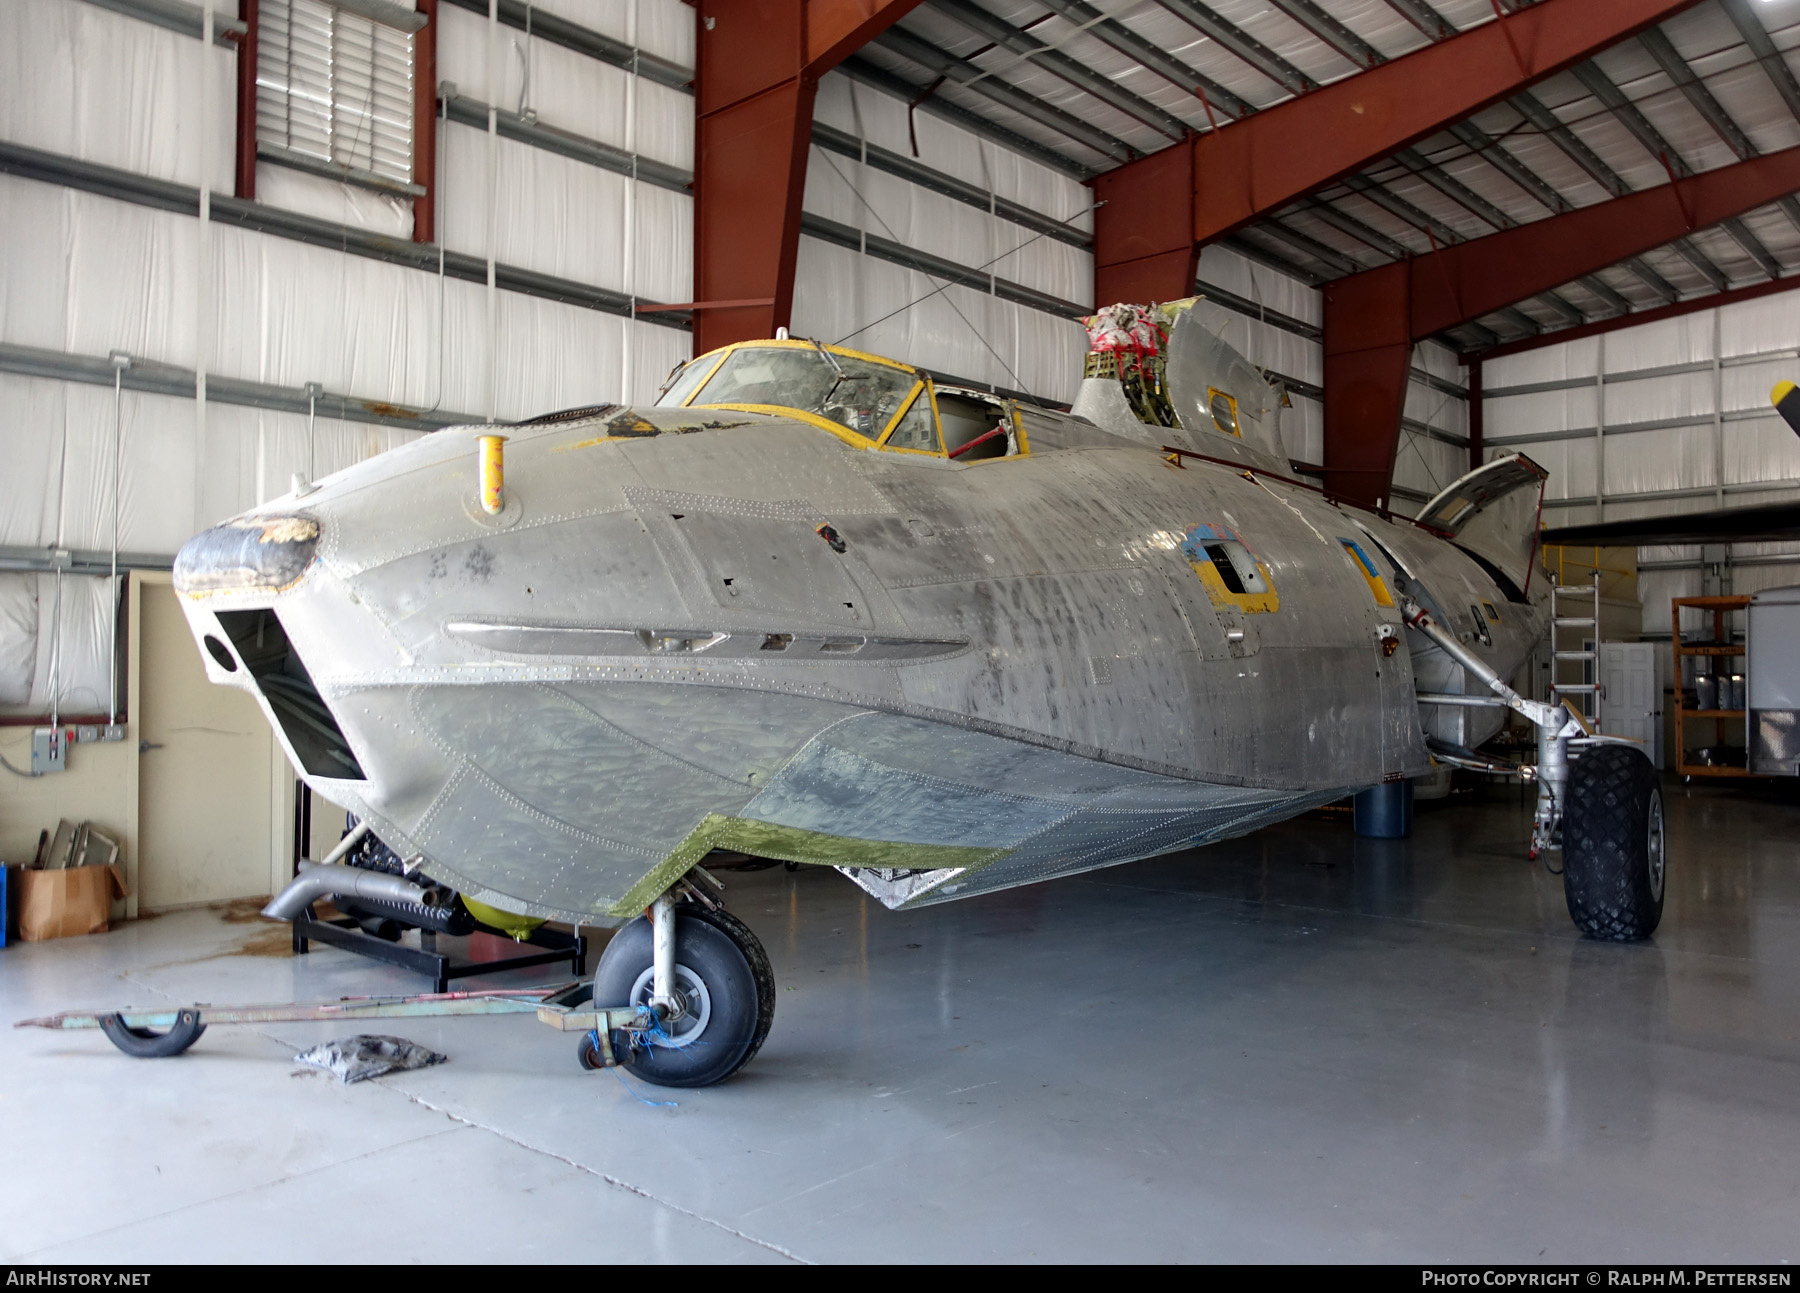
(1012, 671)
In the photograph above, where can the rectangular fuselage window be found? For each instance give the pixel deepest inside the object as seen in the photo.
(1237, 568)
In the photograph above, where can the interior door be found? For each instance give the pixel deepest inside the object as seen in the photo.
(205, 778)
(1631, 700)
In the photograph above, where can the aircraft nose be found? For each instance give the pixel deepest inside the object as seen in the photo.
(268, 553)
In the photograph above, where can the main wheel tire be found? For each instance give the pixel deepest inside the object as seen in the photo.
(1614, 846)
(147, 1043)
(724, 1022)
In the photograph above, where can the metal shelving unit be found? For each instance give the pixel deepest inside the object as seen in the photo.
(1718, 647)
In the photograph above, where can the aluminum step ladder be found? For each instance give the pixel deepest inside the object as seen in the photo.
(1587, 625)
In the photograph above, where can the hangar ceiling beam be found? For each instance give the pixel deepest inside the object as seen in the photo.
(759, 65)
(1490, 150)
(1161, 209)
(1372, 319)
(1711, 301)
(1424, 17)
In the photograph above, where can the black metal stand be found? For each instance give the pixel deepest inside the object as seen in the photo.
(425, 959)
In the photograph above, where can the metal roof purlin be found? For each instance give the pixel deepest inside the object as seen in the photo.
(861, 69)
(965, 74)
(1689, 83)
(1215, 97)
(1009, 37)
(1424, 17)
(1756, 36)
(1652, 315)
(1267, 161)
(1659, 148)
(1250, 250)
(1331, 32)
(1241, 43)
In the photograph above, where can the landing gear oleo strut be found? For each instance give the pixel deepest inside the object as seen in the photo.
(1598, 802)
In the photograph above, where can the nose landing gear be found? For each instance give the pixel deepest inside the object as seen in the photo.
(714, 1009)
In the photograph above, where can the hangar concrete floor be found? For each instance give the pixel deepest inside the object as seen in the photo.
(1298, 1046)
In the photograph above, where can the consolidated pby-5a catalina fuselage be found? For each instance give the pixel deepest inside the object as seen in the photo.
(816, 607)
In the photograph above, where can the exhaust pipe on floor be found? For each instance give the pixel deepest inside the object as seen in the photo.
(337, 881)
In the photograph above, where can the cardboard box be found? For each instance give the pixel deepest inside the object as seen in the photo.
(62, 904)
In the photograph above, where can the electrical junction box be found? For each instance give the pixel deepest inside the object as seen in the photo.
(49, 750)
(87, 732)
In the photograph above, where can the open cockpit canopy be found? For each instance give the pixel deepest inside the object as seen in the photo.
(863, 399)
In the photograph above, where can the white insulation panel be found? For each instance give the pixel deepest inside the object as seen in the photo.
(1726, 439)
(85, 275)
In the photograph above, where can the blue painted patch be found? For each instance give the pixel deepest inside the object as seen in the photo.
(1356, 549)
(1199, 535)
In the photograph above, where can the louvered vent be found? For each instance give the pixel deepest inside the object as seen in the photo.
(334, 93)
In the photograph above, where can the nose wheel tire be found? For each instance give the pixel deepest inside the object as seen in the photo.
(747, 943)
(1614, 846)
(147, 1043)
(725, 990)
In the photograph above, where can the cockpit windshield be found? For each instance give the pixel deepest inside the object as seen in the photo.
(854, 393)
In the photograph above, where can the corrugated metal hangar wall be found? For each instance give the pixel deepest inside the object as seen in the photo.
(1665, 417)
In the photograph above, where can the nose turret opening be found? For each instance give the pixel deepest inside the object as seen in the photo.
(270, 553)
(262, 644)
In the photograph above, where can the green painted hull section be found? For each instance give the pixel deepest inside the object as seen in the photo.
(791, 844)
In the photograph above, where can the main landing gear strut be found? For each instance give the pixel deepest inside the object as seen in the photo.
(1599, 802)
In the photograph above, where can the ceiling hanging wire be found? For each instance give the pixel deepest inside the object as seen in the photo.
(523, 51)
(948, 300)
(495, 91)
(942, 286)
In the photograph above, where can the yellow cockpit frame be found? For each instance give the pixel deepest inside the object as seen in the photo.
(924, 388)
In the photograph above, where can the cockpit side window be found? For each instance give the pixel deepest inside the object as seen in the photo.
(685, 380)
(917, 430)
(974, 428)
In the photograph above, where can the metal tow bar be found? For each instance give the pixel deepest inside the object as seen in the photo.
(568, 1009)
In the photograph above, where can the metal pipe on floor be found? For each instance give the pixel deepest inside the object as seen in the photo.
(338, 881)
